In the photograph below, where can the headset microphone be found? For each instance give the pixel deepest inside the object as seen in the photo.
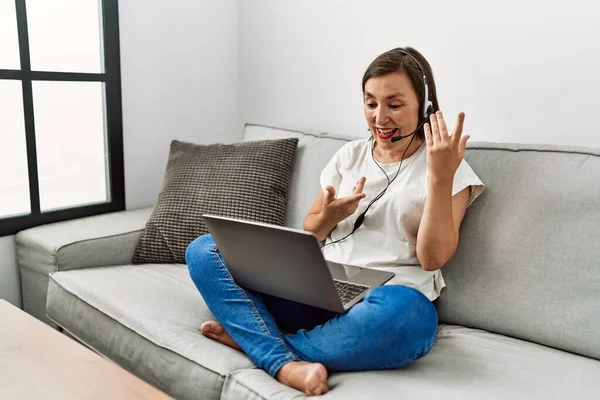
(396, 138)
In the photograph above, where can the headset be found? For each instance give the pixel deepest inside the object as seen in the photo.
(427, 107)
(427, 110)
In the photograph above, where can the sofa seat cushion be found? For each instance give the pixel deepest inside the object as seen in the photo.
(145, 318)
(463, 364)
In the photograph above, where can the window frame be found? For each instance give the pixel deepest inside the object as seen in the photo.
(111, 77)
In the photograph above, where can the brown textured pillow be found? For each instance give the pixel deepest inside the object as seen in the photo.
(247, 180)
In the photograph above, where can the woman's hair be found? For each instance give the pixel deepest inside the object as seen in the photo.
(396, 60)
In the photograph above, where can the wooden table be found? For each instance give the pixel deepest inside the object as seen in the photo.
(38, 362)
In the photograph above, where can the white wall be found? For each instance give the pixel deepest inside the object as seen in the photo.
(179, 72)
(522, 71)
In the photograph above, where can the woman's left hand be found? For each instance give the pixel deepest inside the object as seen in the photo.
(444, 152)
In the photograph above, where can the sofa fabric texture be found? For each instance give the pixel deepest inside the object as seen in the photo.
(314, 152)
(98, 241)
(528, 261)
(247, 180)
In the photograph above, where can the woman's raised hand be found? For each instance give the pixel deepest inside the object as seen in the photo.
(337, 210)
(445, 152)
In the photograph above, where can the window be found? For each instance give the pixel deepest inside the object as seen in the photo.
(61, 140)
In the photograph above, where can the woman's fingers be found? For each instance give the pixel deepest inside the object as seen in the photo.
(439, 129)
(360, 185)
(329, 194)
(463, 145)
(443, 129)
(459, 127)
(435, 132)
(428, 137)
(351, 199)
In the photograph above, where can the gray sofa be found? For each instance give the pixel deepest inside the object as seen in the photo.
(519, 319)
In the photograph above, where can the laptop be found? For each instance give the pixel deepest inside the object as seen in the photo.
(288, 263)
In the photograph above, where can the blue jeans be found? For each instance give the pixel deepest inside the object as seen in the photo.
(391, 327)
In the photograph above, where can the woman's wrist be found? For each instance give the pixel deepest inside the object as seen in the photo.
(324, 225)
(436, 181)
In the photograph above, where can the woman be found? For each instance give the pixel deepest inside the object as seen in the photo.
(393, 204)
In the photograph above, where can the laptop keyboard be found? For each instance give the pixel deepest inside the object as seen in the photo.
(348, 291)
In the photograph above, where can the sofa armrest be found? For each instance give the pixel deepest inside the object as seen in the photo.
(101, 240)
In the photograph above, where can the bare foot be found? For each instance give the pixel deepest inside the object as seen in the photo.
(311, 378)
(215, 331)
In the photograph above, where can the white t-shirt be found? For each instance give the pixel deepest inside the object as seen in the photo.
(387, 239)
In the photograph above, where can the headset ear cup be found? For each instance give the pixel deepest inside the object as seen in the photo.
(428, 109)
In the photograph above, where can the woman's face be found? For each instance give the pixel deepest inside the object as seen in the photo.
(391, 107)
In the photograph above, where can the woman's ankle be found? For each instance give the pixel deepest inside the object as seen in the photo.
(310, 378)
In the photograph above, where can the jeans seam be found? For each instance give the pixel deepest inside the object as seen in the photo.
(282, 342)
(254, 310)
(280, 363)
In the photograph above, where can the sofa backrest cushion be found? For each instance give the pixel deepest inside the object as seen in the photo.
(528, 260)
(312, 154)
